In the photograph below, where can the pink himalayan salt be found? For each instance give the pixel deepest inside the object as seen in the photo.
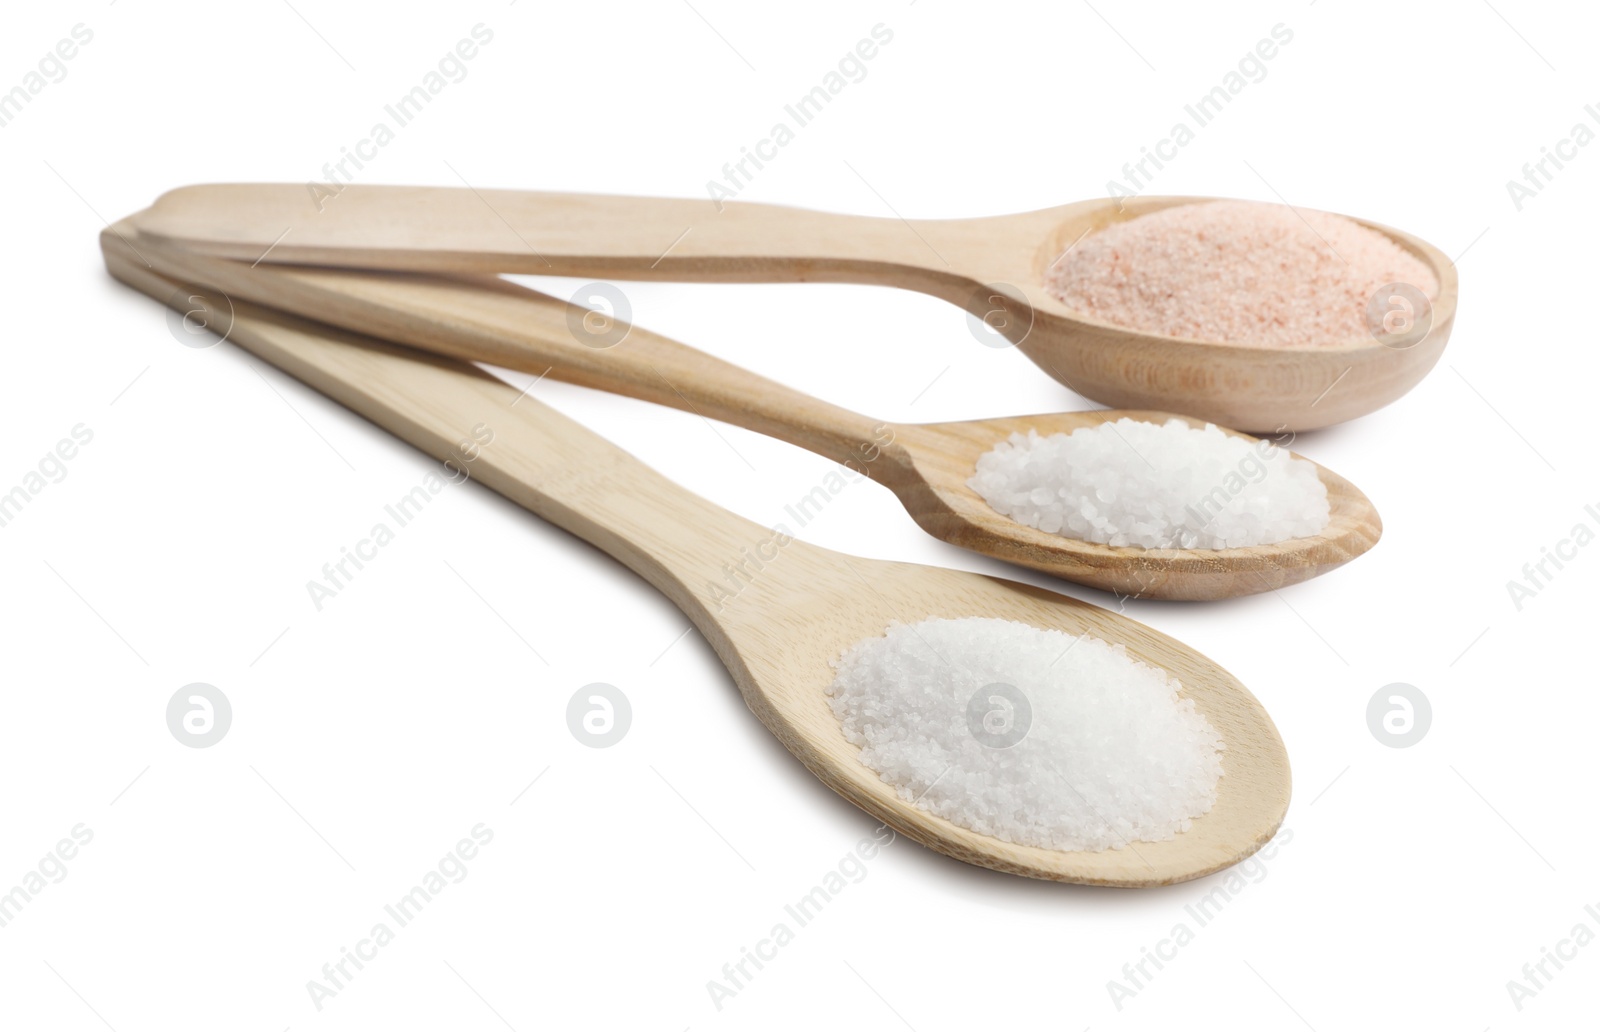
(1236, 272)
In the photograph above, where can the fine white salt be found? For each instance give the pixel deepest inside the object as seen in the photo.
(1150, 485)
(1028, 735)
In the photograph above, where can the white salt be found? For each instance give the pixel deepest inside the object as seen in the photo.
(1029, 735)
(1150, 485)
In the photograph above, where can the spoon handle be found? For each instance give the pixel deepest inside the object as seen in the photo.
(698, 554)
(453, 229)
(487, 319)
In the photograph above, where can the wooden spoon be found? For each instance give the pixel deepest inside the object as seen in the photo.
(927, 466)
(993, 267)
(797, 608)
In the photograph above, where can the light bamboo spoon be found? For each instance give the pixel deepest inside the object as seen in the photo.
(927, 466)
(800, 607)
(993, 267)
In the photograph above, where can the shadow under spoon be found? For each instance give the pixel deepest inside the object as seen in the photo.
(799, 612)
(927, 466)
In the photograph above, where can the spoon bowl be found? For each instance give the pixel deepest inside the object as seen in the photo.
(797, 608)
(993, 267)
(1259, 388)
(927, 466)
(944, 456)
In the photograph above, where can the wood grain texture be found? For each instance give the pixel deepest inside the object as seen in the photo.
(794, 607)
(963, 261)
(927, 466)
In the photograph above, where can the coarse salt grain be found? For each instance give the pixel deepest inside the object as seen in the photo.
(1150, 485)
(1237, 272)
(1070, 743)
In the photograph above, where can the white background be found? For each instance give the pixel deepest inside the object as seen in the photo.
(369, 737)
